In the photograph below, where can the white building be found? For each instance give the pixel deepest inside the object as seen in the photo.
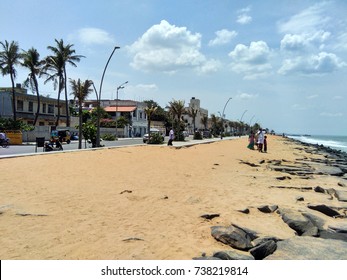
(195, 104)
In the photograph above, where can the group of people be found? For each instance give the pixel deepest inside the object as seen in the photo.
(259, 139)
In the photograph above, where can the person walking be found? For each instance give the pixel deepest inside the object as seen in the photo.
(265, 144)
(251, 141)
(171, 137)
(260, 140)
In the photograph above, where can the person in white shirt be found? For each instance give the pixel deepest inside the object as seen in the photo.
(260, 140)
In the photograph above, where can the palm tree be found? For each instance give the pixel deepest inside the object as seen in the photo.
(9, 58)
(80, 92)
(66, 54)
(53, 69)
(176, 110)
(204, 121)
(149, 112)
(192, 112)
(31, 60)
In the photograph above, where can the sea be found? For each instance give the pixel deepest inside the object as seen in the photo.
(334, 142)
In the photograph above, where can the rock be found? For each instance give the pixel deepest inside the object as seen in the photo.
(296, 221)
(209, 216)
(206, 259)
(233, 236)
(300, 198)
(309, 248)
(339, 227)
(267, 209)
(324, 209)
(263, 250)
(323, 169)
(340, 184)
(319, 189)
(232, 255)
(326, 234)
(245, 211)
(281, 178)
(341, 195)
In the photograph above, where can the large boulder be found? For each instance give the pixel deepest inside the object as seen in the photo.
(233, 255)
(263, 250)
(233, 236)
(309, 248)
(296, 221)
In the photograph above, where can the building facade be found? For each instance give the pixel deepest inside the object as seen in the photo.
(26, 107)
(201, 112)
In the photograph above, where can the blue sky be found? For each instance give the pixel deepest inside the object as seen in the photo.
(283, 63)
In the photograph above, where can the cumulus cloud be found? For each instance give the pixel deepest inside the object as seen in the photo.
(252, 61)
(243, 16)
(223, 37)
(94, 36)
(304, 42)
(168, 48)
(315, 64)
(331, 115)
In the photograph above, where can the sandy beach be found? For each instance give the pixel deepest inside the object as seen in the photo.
(145, 202)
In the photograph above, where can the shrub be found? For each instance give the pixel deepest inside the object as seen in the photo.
(197, 135)
(156, 138)
(108, 137)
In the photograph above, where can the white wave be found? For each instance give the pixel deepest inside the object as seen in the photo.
(325, 142)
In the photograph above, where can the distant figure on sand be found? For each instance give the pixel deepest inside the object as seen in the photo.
(251, 141)
(171, 137)
(265, 144)
(260, 140)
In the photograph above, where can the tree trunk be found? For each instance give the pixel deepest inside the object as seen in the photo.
(13, 98)
(59, 91)
(67, 103)
(38, 100)
(80, 126)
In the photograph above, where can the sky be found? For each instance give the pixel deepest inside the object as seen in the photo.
(282, 63)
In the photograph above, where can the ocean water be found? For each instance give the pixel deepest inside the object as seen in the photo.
(334, 142)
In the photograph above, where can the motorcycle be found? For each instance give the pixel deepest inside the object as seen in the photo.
(49, 147)
(5, 142)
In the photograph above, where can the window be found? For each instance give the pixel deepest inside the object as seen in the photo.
(44, 108)
(140, 115)
(50, 109)
(20, 106)
(41, 123)
(31, 106)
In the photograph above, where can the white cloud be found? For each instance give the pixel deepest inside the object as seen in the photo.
(90, 36)
(244, 17)
(316, 64)
(304, 42)
(307, 21)
(252, 61)
(313, 96)
(147, 87)
(223, 36)
(331, 115)
(168, 48)
(246, 96)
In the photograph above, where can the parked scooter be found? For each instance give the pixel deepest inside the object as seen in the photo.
(49, 147)
(4, 141)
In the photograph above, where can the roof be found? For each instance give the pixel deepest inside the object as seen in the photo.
(120, 108)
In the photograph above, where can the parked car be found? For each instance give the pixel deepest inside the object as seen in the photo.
(153, 131)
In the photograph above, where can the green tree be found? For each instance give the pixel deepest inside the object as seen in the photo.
(9, 59)
(204, 121)
(66, 56)
(53, 69)
(31, 60)
(149, 112)
(80, 91)
(176, 110)
(192, 112)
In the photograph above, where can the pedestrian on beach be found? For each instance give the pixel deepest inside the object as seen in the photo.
(260, 140)
(171, 137)
(265, 144)
(251, 141)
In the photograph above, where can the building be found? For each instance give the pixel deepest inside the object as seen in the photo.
(134, 109)
(195, 103)
(26, 107)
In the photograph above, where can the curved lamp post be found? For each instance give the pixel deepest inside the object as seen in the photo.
(118, 88)
(221, 135)
(99, 99)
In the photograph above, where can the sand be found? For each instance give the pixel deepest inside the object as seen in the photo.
(143, 202)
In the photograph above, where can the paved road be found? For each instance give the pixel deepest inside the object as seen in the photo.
(29, 148)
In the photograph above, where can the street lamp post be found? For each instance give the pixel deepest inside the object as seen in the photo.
(99, 99)
(118, 88)
(241, 120)
(221, 135)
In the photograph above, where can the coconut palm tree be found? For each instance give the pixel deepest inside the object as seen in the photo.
(31, 60)
(67, 55)
(53, 69)
(9, 59)
(192, 112)
(176, 110)
(204, 121)
(80, 91)
(149, 112)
